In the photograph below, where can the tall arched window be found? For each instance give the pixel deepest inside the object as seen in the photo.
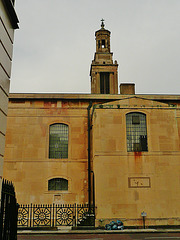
(136, 132)
(58, 141)
(58, 184)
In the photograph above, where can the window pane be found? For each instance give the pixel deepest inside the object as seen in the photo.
(135, 120)
(136, 132)
(51, 185)
(58, 184)
(58, 141)
(64, 185)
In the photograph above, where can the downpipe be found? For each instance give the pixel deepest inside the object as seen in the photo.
(89, 157)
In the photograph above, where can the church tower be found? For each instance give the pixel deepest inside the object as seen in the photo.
(104, 76)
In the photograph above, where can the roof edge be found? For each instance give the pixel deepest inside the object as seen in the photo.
(90, 96)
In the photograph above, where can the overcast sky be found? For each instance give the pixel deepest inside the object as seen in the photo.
(55, 45)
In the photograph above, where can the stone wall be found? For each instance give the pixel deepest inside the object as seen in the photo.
(27, 161)
(128, 183)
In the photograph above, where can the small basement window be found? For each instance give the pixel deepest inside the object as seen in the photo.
(60, 184)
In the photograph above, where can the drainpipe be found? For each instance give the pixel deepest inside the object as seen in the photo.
(89, 156)
(93, 190)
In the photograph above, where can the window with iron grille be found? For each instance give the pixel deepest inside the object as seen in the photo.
(104, 83)
(58, 141)
(136, 132)
(58, 184)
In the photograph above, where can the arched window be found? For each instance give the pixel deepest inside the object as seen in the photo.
(58, 184)
(136, 132)
(58, 141)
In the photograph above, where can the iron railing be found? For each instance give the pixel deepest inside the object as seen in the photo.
(54, 215)
(8, 212)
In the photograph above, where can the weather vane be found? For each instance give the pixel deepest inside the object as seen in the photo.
(102, 24)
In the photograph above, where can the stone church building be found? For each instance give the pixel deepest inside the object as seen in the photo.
(118, 151)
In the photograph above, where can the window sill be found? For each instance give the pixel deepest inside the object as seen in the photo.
(57, 192)
(136, 151)
(58, 159)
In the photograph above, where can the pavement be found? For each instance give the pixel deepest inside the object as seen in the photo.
(96, 231)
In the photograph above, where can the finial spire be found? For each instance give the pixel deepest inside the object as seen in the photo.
(102, 24)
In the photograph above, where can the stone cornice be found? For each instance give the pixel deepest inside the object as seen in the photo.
(76, 96)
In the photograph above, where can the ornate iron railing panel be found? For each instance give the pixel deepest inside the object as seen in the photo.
(82, 211)
(54, 215)
(64, 215)
(23, 215)
(42, 215)
(85, 215)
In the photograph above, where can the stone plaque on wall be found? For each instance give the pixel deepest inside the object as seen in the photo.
(57, 198)
(139, 182)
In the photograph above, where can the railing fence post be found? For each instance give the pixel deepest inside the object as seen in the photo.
(31, 209)
(74, 214)
(53, 215)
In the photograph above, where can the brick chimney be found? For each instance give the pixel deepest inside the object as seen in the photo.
(127, 88)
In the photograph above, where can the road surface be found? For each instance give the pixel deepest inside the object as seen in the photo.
(134, 236)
